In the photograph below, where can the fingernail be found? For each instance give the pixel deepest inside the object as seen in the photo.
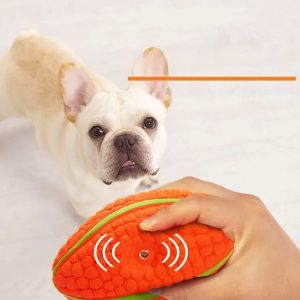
(147, 223)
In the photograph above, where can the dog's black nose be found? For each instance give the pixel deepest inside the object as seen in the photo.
(124, 142)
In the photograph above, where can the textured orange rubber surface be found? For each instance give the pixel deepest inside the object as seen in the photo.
(118, 259)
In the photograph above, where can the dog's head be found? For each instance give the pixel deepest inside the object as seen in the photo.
(122, 132)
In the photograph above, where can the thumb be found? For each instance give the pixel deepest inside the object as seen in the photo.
(206, 209)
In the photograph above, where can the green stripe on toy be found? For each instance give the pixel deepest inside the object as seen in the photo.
(131, 297)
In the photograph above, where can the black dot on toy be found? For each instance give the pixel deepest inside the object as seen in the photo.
(144, 254)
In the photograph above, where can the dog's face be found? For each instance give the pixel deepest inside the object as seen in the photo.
(122, 132)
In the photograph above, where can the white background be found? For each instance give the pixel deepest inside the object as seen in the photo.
(245, 136)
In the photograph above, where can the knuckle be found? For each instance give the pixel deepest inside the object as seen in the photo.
(191, 205)
(189, 179)
(253, 204)
(194, 201)
(191, 200)
(164, 212)
(253, 199)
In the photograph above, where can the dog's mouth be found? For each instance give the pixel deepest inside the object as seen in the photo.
(128, 164)
(130, 169)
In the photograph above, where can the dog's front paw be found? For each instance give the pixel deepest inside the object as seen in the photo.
(149, 181)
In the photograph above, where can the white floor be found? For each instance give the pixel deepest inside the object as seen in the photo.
(245, 136)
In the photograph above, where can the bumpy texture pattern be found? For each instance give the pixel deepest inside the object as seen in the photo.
(128, 260)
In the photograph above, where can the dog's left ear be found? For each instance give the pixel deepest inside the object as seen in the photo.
(153, 63)
(76, 88)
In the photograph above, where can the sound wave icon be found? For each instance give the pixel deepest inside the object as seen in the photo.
(104, 252)
(186, 252)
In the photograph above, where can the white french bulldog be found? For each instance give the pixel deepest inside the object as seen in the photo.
(106, 140)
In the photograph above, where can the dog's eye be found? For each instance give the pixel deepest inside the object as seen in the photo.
(96, 132)
(149, 123)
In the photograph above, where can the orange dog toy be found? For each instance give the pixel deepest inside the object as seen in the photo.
(110, 257)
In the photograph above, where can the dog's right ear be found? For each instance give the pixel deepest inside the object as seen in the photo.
(76, 88)
(153, 63)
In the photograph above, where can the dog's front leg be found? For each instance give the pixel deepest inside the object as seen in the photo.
(149, 181)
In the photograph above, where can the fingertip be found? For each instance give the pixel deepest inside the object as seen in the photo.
(148, 224)
(145, 227)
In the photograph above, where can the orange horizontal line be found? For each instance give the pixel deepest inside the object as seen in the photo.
(212, 78)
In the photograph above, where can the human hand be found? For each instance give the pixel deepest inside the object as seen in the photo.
(265, 263)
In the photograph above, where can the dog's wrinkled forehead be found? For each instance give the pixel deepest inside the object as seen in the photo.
(121, 109)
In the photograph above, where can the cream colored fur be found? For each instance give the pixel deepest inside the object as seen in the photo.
(29, 86)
